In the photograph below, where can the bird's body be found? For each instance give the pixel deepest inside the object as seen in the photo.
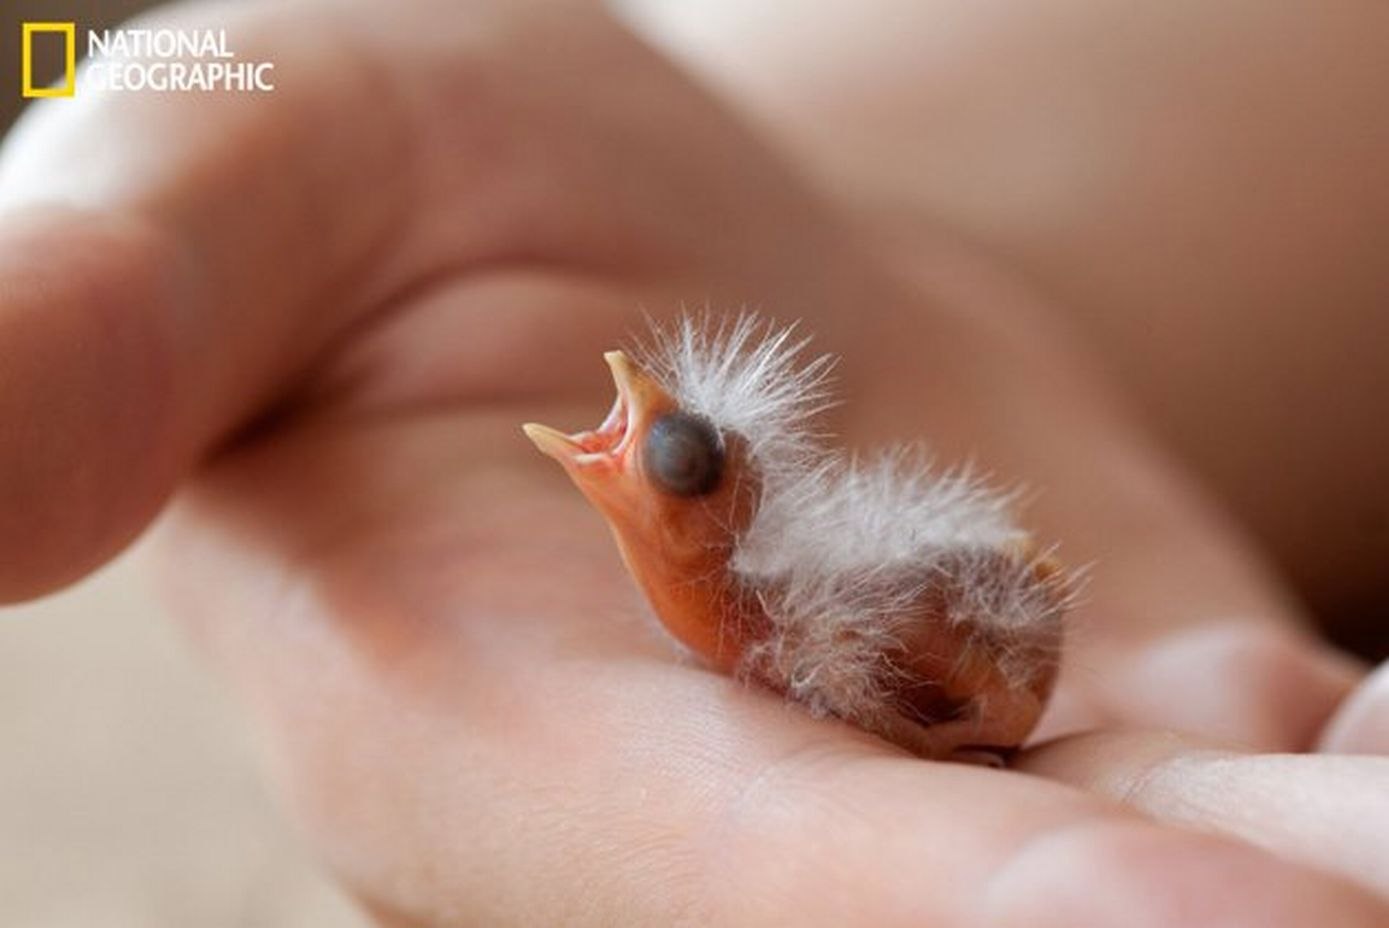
(906, 602)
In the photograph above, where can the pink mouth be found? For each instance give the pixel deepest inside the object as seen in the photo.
(610, 442)
(610, 438)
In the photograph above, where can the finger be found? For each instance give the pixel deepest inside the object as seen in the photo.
(1329, 812)
(160, 288)
(478, 726)
(1361, 724)
(1263, 687)
(233, 241)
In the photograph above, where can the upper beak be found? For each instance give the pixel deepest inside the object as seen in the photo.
(625, 373)
(639, 396)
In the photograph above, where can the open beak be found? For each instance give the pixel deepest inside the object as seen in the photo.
(639, 397)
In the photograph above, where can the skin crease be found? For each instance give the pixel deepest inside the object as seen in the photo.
(460, 698)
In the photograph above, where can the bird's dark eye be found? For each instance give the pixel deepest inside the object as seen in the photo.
(683, 454)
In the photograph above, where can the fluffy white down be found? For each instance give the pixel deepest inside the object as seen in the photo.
(841, 551)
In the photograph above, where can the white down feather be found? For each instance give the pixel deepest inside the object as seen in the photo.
(841, 550)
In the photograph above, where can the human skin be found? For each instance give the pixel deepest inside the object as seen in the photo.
(321, 323)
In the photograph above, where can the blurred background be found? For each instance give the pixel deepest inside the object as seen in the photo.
(128, 791)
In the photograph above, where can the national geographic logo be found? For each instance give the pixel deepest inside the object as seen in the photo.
(68, 33)
(153, 60)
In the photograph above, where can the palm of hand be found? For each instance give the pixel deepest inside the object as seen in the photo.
(464, 701)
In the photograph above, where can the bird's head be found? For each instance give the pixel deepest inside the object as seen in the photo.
(675, 490)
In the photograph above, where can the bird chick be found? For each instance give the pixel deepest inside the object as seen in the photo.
(903, 601)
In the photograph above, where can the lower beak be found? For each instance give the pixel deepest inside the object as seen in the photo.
(552, 441)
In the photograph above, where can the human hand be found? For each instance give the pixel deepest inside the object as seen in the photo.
(338, 316)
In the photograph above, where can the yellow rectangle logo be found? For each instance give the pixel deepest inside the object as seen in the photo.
(69, 85)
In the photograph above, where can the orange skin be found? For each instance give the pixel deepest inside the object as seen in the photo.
(678, 548)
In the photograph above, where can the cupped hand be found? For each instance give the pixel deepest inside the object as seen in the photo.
(320, 314)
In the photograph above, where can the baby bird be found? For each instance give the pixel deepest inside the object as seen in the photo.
(905, 602)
